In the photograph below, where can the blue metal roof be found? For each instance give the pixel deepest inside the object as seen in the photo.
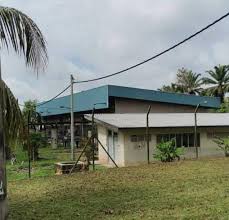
(84, 101)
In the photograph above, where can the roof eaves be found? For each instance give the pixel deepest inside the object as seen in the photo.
(105, 124)
(166, 97)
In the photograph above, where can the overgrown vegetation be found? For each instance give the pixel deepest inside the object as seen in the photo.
(181, 190)
(224, 107)
(223, 144)
(166, 151)
(36, 142)
(44, 166)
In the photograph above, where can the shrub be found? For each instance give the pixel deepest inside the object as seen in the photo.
(223, 144)
(168, 152)
(88, 153)
(36, 141)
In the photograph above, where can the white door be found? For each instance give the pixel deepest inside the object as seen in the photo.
(112, 144)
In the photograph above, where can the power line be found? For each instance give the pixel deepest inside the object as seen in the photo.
(43, 103)
(144, 61)
(159, 54)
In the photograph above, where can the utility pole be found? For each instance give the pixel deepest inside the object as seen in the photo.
(93, 137)
(72, 119)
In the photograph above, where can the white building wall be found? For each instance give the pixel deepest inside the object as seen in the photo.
(134, 153)
(119, 148)
(102, 136)
(208, 147)
(119, 151)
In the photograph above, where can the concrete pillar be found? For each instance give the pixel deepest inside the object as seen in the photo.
(54, 138)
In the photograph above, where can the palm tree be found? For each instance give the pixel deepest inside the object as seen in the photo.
(186, 82)
(173, 87)
(189, 82)
(18, 31)
(218, 81)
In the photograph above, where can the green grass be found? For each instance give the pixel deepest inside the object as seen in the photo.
(181, 190)
(43, 167)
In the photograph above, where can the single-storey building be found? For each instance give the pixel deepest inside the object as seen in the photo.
(123, 135)
(120, 99)
(112, 99)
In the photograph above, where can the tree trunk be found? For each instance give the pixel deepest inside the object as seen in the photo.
(3, 183)
(3, 188)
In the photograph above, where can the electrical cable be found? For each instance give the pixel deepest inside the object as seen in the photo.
(142, 62)
(157, 55)
(43, 103)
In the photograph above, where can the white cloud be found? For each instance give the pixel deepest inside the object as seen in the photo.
(92, 38)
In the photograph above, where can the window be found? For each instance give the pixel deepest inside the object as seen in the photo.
(109, 133)
(179, 140)
(191, 140)
(184, 139)
(134, 138)
(159, 138)
(213, 135)
(139, 138)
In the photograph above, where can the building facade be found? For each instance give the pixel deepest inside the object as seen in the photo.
(112, 99)
(123, 135)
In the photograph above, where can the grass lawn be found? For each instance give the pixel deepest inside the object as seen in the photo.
(40, 168)
(181, 190)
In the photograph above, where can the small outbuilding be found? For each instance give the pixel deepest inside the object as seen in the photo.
(124, 135)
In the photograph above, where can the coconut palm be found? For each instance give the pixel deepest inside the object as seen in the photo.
(19, 32)
(218, 81)
(188, 81)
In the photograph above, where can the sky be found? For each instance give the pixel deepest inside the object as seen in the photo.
(91, 38)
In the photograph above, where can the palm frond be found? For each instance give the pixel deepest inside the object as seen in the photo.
(19, 31)
(207, 80)
(12, 116)
(189, 81)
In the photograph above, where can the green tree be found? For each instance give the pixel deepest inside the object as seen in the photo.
(29, 109)
(35, 138)
(188, 81)
(218, 81)
(171, 88)
(36, 142)
(19, 32)
(224, 108)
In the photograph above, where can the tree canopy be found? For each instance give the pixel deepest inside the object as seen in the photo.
(215, 84)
